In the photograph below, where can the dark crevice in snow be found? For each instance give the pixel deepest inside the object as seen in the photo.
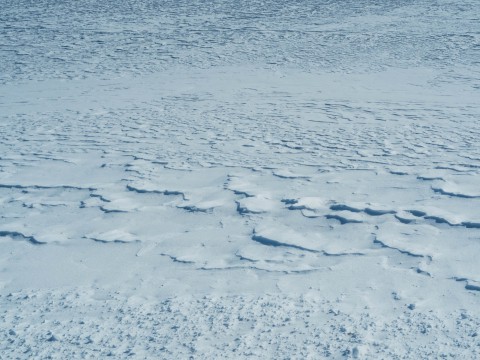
(422, 272)
(41, 187)
(109, 211)
(15, 234)
(270, 242)
(193, 209)
(406, 252)
(342, 207)
(111, 241)
(468, 285)
(175, 259)
(454, 194)
(243, 210)
(162, 192)
(343, 220)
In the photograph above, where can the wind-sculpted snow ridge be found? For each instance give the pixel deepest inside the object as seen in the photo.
(192, 214)
(251, 179)
(41, 40)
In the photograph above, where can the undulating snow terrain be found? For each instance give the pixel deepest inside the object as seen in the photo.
(240, 179)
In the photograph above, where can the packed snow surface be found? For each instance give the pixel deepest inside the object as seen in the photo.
(240, 179)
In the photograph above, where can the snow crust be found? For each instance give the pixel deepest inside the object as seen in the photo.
(183, 179)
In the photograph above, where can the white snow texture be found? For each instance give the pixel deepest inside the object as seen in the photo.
(239, 179)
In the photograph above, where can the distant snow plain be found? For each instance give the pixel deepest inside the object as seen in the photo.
(240, 179)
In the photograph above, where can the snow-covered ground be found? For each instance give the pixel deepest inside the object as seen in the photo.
(240, 179)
